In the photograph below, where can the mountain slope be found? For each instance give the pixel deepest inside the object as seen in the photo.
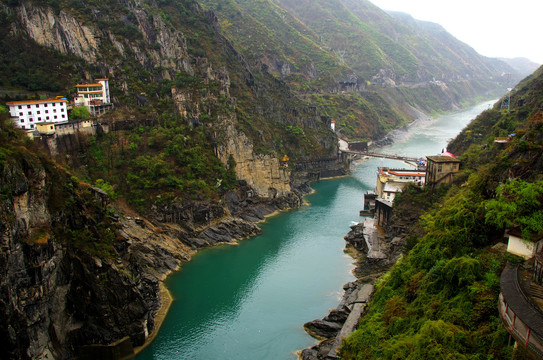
(523, 66)
(354, 52)
(439, 300)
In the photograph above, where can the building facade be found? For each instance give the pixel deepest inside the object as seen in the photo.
(27, 114)
(95, 97)
(441, 169)
(516, 245)
(89, 94)
(392, 181)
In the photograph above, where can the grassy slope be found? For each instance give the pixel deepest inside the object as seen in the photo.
(164, 159)
(309, 36)
(439, 300)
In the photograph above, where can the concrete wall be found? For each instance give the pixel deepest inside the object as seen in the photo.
(519, 247)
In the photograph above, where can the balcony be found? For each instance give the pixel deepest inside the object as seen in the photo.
(520, 309)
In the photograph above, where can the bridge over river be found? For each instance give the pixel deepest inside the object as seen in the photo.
(344, 147)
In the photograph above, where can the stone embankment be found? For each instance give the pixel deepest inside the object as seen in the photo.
(375, 251)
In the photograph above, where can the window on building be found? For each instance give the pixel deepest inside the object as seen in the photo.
(44, 105)
(37, 112)
(22, 120)
(63, 116)
(47, 111)
(440, 168)
(55, 117)
(54, 110)
(20, 106)
(39, 119)
(31, 119)
(37, 105)
(32, 126)
(47, 118)
(30, 113)
(20, 114)
(28, 106)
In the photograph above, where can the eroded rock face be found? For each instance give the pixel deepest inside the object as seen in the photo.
(264, 173)
(62, 31)
(69, 278)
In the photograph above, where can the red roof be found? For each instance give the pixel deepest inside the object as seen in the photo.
(446, 153)
(28, 102)
(384, 172)
(407, 173)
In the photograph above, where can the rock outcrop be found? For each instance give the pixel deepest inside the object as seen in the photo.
(63, 31)
(344, 319)
(70, 271)
(264, 173)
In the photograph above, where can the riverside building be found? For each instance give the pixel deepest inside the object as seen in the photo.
(95, 97)
(27, 114)
(441, 169)
(393, 181)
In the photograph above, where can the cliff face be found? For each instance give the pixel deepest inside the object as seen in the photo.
(61, 30)
(71, 275)
(265, 173)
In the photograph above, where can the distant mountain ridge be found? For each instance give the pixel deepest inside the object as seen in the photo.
(356, 53)
(522, 65)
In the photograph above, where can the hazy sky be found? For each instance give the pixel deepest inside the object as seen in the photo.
(494, 28)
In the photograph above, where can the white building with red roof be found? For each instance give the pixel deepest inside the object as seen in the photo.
(95, 97)
(392, 181)
(27, 114)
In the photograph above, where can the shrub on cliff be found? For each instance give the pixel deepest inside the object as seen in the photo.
(447, 285)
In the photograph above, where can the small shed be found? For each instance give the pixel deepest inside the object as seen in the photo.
(46, 128)
(383, 212)
(516, 245)
(441, 169)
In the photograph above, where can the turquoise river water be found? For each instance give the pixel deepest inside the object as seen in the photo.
(250, 301)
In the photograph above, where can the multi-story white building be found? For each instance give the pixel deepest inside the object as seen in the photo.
(93, 96)
(29, 113)
(392, 181)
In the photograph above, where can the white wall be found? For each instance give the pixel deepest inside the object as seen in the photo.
(519, 247)
(28, 114)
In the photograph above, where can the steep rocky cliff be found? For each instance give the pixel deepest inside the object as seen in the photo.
(70, 270)
(64, 31)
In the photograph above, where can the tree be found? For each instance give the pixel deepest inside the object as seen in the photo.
(518, 204)
(80, 112)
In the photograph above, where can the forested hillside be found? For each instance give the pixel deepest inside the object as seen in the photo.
(222, 113)
(439, 300)
(187, 81)
(357, 64)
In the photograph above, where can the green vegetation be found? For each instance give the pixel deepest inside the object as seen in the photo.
(78, 220)
(518, 204)
(161, 164)
(439, 300)
(79, 112)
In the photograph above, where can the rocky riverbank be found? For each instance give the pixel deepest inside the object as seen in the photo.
(82, 277)
(370, 265)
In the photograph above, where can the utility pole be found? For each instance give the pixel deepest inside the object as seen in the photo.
(506, 102)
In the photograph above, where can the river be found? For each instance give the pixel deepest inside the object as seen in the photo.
(250, 301)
